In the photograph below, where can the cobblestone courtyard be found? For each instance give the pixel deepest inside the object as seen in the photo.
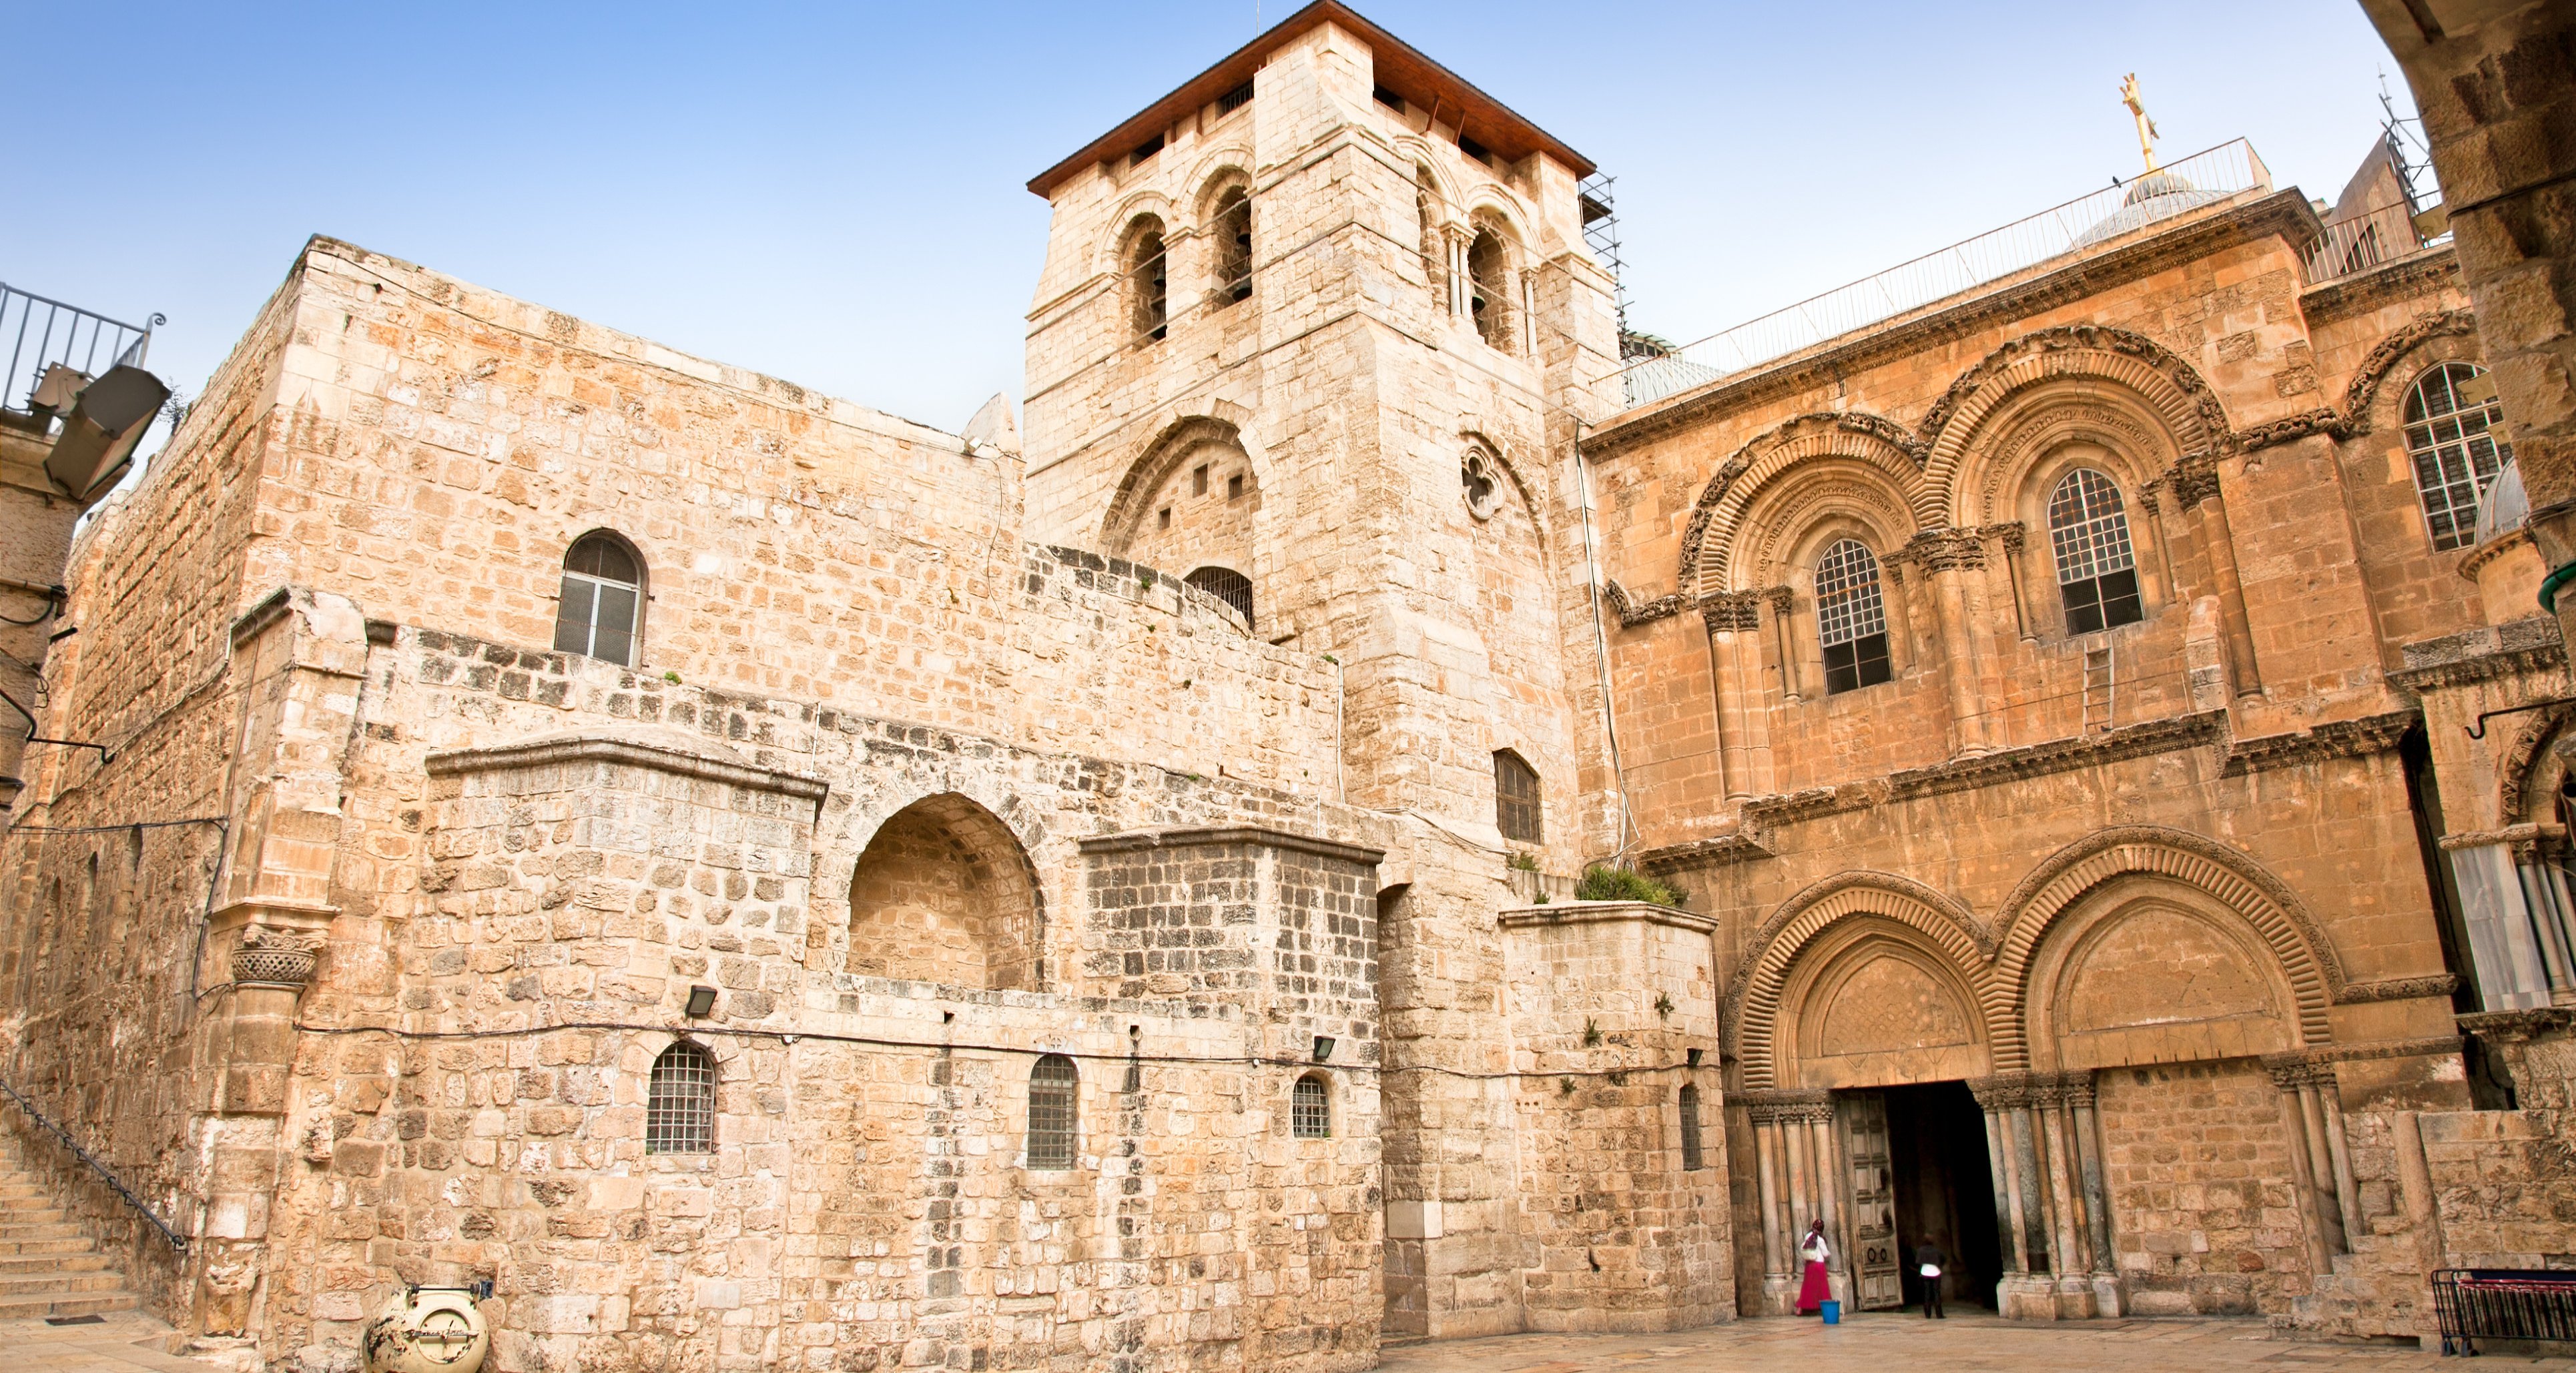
(1878, 1344)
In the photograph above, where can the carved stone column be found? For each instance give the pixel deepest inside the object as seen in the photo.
(1784, 622)
(1795, 1179)
(2311, 1158)
(1734, 620)
(2010, 538)
(2108, 1298)
(1766, 1147)
(2030, 1291)
(1946, 556)
(2195, 488)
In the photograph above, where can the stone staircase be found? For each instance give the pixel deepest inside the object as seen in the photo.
(48, 1265)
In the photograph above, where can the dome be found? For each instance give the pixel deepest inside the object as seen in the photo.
(2504, 507)
(2155, 196)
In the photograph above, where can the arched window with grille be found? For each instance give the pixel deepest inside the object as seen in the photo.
(1516, 800)
(1148, 283)
(1055, 1090)
(680, 1105)
(1310, 1108)
(1692, 1159)
(600, 611)
(1233, 233)
(1489, 275)
(2454, 453)
(1851, 619)
(2097, 569)
(1227, 585)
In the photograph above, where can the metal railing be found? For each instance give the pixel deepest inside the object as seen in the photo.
(2382, 233)
(178, 1242)
(39, 332)
(2503, 1304)
(2203, 178)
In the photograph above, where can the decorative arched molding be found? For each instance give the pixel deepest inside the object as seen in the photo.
(1785, 525)
(1218, 169)
(2363, 393)
(1752, 1012)
(1817, 986)
(2230, 878)
(1120, 226)
(1707, 541)
(2170, 388)
(2020, 438)
(1175, 438)
(2523, 759)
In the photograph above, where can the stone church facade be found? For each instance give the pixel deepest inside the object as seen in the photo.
(769, 884)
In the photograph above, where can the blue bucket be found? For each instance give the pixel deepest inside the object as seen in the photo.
(1832, 1312)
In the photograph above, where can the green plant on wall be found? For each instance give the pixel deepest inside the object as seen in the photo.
(1521, 861)
(1609, 882)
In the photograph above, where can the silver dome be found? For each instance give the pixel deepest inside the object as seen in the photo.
(2504, 506)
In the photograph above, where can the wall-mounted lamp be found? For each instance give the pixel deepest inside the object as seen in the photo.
(1323, 1047)
(702, 1001)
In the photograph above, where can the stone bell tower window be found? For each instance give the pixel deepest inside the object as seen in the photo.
(602, 600)
(680, 1108)
(2454, 455)
(1054, 1086)
(1488, 271)
(1233, 233)
(2097, 569)
(1851, 620)
(1148, 287)
(1516, 800)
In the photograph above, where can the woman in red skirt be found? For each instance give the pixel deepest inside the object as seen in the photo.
(1814, 1291)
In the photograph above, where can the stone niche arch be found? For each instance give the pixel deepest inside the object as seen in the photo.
(2529, 774)
(2007, 473)
(2233, 899)
(1878, 1004)
(1774, 470)
(2147, 969)
(1935, 935)
(1207, 525)
(945, 893)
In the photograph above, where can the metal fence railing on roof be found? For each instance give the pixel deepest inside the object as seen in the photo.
(2201, 179)
(2383, 233)
(36, 333)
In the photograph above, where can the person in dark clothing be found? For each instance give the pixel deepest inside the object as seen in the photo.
(1930, 1262)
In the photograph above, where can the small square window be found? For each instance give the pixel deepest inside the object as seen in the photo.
(1234, 487)
(1163, 518)
(1198, 480)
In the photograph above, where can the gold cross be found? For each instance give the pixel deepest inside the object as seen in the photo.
(2147, 134)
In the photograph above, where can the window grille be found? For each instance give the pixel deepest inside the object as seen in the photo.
(1227, 585)
(1516, 799)
(1851, 620)
(680, 1108)
(1234, 99)
(603, 588)
(1054, 1087)
(2097, 569)
(1148, 288)
(1691, 1159)
(1310, 1109)
(2455, 455)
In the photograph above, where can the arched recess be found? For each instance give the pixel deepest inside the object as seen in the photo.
(2006, 472)
(1709, 543)
(2529, 775)
(945, 893)
(2149, 968)
(1171, 455)
(2169, 387)
(1877, 1003)
(1754, 999)
(2231, 881)
(2369, 401)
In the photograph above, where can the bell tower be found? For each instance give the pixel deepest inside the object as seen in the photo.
(1315, 333)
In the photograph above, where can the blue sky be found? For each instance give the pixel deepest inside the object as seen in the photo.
(834, 194)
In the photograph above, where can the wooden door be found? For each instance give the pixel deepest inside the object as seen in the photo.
(1869, 1199)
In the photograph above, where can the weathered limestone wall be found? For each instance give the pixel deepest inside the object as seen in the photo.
(2203, 1202)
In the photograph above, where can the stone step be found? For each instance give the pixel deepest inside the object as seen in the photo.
(71, 1241)
(61, 1284)
(32, 1218)
(43, 1265)
(40, 1305)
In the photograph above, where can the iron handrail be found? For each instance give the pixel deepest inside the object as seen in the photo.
(178, 1242)
(2382, 233)
(39, 331)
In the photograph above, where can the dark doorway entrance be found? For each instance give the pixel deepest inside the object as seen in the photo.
(1944, 1189)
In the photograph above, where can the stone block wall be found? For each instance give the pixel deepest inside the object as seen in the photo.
(2205, 1216)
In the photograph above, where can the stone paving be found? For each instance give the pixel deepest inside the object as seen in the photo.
(1877, 1344)
(121, 1342)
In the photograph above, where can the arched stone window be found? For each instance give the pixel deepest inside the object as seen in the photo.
(600, 612)
(1232, 230)
(1055, 1092)
(1435, 253)
(1227, 585)
(2097, 570)
(1692, 1159)
(1851, 619)
(1516, 798)
(1310, 1108)
(680, 1107)
(1148, 283)
(1480, 478)
(944, 894)
(1489, 274)
(2455, 456)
